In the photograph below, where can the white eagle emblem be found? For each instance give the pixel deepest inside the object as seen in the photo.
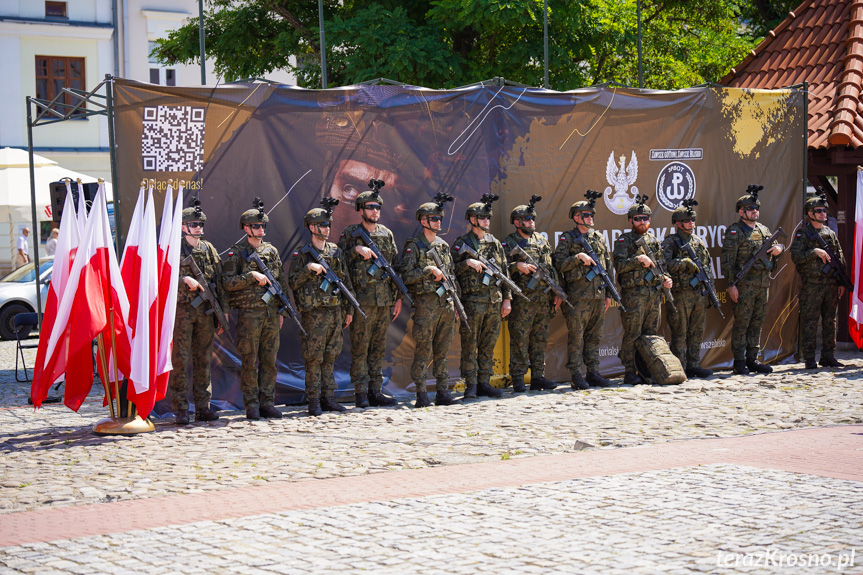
(620, 180)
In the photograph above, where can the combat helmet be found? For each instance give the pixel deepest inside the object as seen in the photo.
(319, 215)
(585, 205)
(194, 213)
(685, 211)
(434, 208)
(256, 215)
(817, 200)
(528, 210)
(751, 197)
(639, 208)
(482, 207)
(372, 195)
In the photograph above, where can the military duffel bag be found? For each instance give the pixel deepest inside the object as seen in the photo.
(664, 367)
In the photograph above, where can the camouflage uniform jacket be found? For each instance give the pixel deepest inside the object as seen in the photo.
(808, 264)
(630, 272)
(371, 290)
(207, 258)
(574, 272)
(677, 260)
(471, 281)
(741, 242)
(537, 246)
(306, 285)
(244, 291)
(415, 260)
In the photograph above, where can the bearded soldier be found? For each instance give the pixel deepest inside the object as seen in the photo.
(688, 320)
(258, 319)
(325, 310)
(485, 302)
(749, 297)
(195, 323)
(587, 292)
(378, 295)
(820, 293)
(640, 287)
(434, 311)
(528, 322)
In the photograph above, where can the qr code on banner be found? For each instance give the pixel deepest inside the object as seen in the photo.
(173, 139)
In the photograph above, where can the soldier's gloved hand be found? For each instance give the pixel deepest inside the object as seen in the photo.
(645, 261)
(475, 265)
(260, 278)
(585, 259)
(776, 250)
(825, 257)
(435, 271)
(191, 283)
(691, 266)
(317, 268)
(525, 268)
(365, 252)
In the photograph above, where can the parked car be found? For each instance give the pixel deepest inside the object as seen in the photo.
(18, 294)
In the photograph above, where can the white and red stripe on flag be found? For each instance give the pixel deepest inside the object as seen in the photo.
(855, 317)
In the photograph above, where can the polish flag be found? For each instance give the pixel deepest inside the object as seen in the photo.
(130, 263)
(170, 238)
(82, 209)
(67, 245)
(94, 296)
(855, 317)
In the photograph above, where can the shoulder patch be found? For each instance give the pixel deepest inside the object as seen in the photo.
(408, 250)
(733, 231)
(457, 248)
(503, 243)
(621, 239)
(563, 238)
(799, 234)
(295, 254)
(231, 253)
(343, 235)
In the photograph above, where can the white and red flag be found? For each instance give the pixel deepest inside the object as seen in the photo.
(170, 244)
(855, 317)
(82, 209)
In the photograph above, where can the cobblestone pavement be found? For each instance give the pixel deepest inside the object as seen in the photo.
(49, 458)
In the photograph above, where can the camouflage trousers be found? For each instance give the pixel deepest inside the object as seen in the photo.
(258, 344)
(585, 323)
(321, 348)
(528, 335)
(193, 338)
(749, 312)
(687, 326)
(641, 318)
(433, 330)
(477, 345)
(818, 301)
(368, 344)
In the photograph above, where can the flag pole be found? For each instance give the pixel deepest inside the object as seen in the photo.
(100, 344)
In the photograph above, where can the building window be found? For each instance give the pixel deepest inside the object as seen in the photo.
(159, 75)
(53, 73)
(56, 10)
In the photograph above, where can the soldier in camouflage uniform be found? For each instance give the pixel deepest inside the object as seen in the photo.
(687, 323)
(749, 297)
(485, 303)
(528, 322)
(589, 297)
(640, 288)
(380, 299)
(194, 329)
(820, 293)
(324, 313)
(434, 312)
(258, 321)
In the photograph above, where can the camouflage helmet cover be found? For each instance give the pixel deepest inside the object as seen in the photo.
(588, 205)
(818, 200)
(524, 210)
(255, 215)
(372, 195)
(751, 197)
(684, 211)
(482, 207)
(194, 213)
(434, 208)
(639, 208)
(324, 214)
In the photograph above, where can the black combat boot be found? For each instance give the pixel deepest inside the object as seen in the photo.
(361, 399)
(182, 417)
(698, 372)
(577, 382)
(253, 413)
(205, 414)
(330, 404)
(542, 383)
(811, 364)
(758, 367)
(632, 378)
(315, 407)
(422, 400)
(444, 397)
(830, 361)
(740, 367)
(596, 380)
(270, 412)
(518, 384)
(378, 399)
(470, 391)
(485, 389)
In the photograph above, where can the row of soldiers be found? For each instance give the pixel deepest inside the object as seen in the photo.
(361, 282)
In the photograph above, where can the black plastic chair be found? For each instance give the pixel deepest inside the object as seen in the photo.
(24, 322)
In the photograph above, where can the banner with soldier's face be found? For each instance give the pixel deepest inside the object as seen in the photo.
(292, 147)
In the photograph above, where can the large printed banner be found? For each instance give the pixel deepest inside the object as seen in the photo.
(291, 147)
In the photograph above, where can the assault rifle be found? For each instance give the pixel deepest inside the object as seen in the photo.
(274, 289)
(656, 270)
(332, 283)
(834, 267)
(540, 275)
(207, 294)
(597, 270)
(447, 285)
(381, 264)
(761, 254)
(492, 271)
(701, 276)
